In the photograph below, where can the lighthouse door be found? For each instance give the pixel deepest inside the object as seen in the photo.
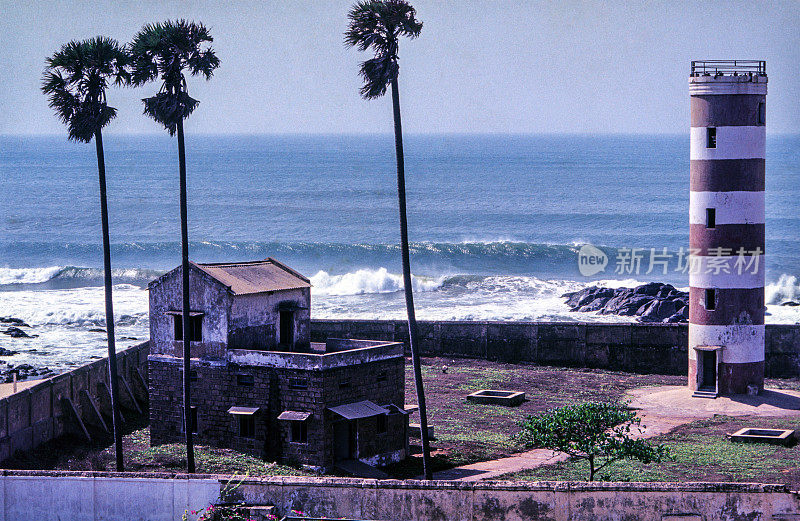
(709, 370)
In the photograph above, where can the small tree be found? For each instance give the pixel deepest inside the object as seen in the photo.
(598, 432)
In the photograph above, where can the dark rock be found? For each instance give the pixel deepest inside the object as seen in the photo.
(653, 302)
(15, 332)
(677, 318)
(7, 352)
(791, 303)
(11, 320)
(626, 305)
(651, 289)
(658, 310)
(98, 330)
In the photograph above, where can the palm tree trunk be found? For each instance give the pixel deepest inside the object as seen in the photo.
(187, 406)
(413, 336)
(112, 351)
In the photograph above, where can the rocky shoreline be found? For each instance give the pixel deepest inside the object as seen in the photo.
(652, 302)
(23, 371)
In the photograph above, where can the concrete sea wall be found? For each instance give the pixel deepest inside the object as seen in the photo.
(78, 402)
(640, 348)
(103, 496)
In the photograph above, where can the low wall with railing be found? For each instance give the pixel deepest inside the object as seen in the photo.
(78, 401)
(636, 347)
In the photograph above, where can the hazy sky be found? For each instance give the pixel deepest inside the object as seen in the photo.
(479, 66)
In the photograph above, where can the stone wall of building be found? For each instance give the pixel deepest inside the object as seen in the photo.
(640, 348)
(218, 386)
(76, 402)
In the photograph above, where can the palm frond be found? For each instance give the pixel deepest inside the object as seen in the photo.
(75, 80)
(168, 109)
(165, 51)
(376, 25)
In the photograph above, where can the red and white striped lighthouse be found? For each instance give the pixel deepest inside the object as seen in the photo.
(726, 274)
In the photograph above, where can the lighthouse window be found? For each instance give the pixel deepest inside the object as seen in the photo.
(711, 299)
(762, 114)
(711, 137)
(711, 217)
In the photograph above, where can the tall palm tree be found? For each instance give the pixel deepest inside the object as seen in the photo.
(377, 25)
(166, 51)
(75, 79)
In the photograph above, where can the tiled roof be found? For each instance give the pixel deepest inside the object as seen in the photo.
(255, 277)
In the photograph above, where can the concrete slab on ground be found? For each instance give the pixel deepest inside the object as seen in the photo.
(677, 402)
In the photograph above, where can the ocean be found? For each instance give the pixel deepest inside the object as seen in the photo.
(496, 224)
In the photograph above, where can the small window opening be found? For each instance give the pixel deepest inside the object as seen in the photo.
(195, 331)
(299, 432)
(711, 299)
(711, 217)
(762, 114)
(381, 377)
(247, 426)
(382, 423)
(298, 383)
(711, 137)
(344, 383)
(245, 379)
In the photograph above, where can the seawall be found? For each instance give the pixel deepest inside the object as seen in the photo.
(77, 402)
(637, 347)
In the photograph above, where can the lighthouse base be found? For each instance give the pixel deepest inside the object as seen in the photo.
(708, 374)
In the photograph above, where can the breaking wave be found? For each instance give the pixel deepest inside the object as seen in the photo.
(368, 281)
(786, 288)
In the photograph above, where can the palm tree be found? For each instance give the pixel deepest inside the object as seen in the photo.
(165, 51)
(377, 25)
(75, 79)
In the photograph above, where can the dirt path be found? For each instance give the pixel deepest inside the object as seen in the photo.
(661, 409)
(8, 389)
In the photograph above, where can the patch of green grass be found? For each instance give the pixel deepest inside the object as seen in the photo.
(701, 452)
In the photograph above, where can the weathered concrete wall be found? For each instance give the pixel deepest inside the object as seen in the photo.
(641, 348)
(41, 413)
(95, 496)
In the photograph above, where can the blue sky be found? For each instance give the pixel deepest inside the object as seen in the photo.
(479, 66)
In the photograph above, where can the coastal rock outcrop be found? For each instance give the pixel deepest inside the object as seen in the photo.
(652, 302)
(15, 332)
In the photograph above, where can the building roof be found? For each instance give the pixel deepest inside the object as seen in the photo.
(357, 410)
(294, 416)
(245, 278)
(246, 411)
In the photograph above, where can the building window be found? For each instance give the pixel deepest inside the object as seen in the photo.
(299, 432)
(711, 299)
(298, 384)
(247, 425)
(381, 377)
(245, 379)
(711, 217)
(711, 137)
(382, 423)
(195, 327)
(762, 114)
(344, 383)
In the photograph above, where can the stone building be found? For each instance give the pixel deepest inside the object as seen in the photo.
(726, 276)
(258, 384)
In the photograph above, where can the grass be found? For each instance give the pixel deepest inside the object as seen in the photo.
(72, 453)
(701, 452)
(467, 432)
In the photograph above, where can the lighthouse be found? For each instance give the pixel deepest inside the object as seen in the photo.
(726, 235)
